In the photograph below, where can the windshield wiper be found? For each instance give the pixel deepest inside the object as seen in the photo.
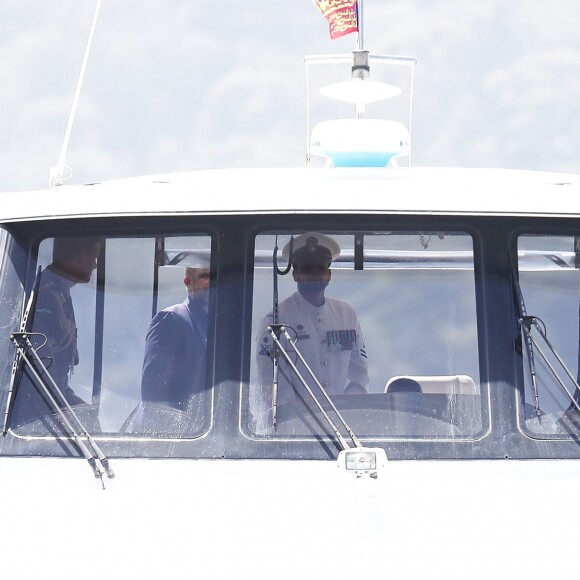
(275, 319)
(90, 451)
(27, 354)
(525, 330)
(527, 323)
(358, 460)
(276, 331)
(24, 327)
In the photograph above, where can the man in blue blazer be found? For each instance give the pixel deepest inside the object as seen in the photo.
(174, 365)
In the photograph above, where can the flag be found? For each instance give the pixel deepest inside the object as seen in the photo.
(342, 16)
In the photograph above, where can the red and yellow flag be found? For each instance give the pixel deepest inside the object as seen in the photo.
(341, 15)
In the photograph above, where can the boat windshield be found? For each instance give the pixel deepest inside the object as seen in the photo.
(188, 340)
(387, 324)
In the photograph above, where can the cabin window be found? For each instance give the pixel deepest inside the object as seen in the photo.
(12, 259)
(548, 301)
(387, 324)
(114, 323)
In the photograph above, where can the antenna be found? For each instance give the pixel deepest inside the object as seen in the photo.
(56, 176)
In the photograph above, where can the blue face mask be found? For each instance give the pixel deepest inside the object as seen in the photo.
(313, 287)
(201, 297)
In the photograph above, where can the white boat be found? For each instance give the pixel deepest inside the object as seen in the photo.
(458, 455)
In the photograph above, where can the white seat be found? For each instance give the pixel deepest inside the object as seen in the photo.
(434, 384)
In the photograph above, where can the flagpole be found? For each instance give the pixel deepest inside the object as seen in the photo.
(360, 57)
(360, 40)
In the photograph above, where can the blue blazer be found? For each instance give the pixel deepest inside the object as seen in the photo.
(174, 366)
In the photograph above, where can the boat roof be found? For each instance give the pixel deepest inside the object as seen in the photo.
(416, 190)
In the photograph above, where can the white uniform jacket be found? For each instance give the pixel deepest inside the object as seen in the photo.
(330, 340)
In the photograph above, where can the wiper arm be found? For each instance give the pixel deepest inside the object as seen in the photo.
(276, 330)
(527, 323)
(90, 451)
(527, 338)
(275, 318)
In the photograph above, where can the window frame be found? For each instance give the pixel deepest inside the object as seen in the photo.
(110, 228)
(494, 241)
(391, 224)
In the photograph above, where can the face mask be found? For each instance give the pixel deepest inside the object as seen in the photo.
(201, 297)
(313, 287)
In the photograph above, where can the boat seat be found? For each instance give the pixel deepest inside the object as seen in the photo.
(433, 384)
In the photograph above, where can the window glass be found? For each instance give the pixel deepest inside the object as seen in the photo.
(121, 327)
(12, 264)
(548, 301)
(385, 321)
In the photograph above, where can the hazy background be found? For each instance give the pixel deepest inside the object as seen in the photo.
(174, 85)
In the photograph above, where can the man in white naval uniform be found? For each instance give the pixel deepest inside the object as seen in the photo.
(328, 332)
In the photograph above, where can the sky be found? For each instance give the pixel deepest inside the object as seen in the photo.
(179, 85)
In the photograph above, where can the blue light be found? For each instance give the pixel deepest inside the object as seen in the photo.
(361, 158)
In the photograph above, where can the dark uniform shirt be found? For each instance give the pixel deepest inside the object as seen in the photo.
(54, 318)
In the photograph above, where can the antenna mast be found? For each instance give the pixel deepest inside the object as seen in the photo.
(56, 176)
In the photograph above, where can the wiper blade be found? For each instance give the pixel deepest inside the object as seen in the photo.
(90, 450)
(277, 271)
(527, 339)
(276, 331)
(24, 327)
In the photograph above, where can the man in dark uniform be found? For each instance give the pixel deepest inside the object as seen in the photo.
(73, 261)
